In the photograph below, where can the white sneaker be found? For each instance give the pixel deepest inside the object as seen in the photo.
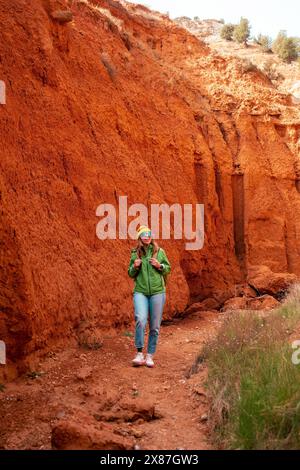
(139, 359)
(149, 360)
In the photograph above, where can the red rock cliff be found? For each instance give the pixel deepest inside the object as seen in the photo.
(121, 101)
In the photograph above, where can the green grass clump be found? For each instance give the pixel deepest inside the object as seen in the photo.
(252, 382)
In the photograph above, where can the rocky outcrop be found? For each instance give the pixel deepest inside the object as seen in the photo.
(70, 435)
(97, 431)
(264, 281)
(262, 302)
(122, 101)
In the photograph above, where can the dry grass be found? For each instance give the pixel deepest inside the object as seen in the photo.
(103, 11)
(106, 61)
(88, 336)
(253, 385)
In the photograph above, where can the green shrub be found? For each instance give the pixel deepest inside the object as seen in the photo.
(227, 31)
(253, 385)
(269, 69)
(265, 42)
(129, 334)
(287, 48)
(279, 41)
(241, 32)
(247, 65)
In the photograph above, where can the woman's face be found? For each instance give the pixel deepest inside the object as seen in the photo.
(146, 238)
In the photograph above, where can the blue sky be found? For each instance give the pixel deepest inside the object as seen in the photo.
(265, 16)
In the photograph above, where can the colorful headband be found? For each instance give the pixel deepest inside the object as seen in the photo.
(142, 229)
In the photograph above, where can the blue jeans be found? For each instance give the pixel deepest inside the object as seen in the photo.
(144, 305)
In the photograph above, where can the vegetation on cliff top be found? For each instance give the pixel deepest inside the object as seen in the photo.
(287, 48)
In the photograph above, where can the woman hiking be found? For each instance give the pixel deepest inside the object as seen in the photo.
(148, 267)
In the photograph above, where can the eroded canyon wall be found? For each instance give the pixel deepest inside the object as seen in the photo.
(121, 101)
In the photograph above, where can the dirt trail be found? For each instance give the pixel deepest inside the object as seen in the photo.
(96, 399)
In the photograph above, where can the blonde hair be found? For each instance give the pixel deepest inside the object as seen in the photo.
(140, 249)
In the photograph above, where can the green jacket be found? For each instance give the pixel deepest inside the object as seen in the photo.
(148, 279)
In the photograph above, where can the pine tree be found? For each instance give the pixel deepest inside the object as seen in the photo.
(227, 31)
(241, 32)
(287, 48)
(265, 42)
(279, 41)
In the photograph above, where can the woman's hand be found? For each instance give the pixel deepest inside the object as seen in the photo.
(155, 263)
(137, 263)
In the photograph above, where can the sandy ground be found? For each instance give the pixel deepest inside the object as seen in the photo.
(95, 399)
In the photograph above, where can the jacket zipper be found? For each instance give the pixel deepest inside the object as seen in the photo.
(163, 285)
(147, 260)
